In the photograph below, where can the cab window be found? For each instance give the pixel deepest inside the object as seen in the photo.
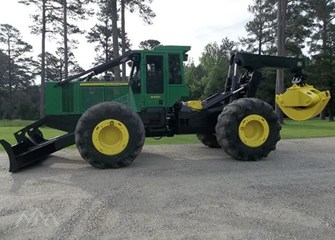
(174, 69)
(154, 71)
(135, 78)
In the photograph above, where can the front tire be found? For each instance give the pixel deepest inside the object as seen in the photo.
(248, 129)
(109, 135)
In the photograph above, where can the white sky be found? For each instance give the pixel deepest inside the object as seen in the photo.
(178, 22)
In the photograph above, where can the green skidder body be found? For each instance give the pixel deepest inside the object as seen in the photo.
(108, 119)
(75, 98)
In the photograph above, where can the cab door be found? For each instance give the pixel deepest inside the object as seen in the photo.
(155, 80)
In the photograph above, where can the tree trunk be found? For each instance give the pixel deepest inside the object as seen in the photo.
(282, 6)
(331, 85)
(323, 115)
(260, 41)
(123, 37)
(115, 37)
(66, 54)
(331, 113)
(43, 61)
(9, 109)
(107, 57)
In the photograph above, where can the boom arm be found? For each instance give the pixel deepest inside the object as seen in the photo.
(254, 61)
(100, 68)
(300, 102)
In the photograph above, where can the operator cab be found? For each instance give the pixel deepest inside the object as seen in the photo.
(157, 76)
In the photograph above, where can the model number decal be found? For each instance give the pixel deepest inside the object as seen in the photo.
(155, 97)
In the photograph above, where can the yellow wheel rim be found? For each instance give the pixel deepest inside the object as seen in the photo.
(253, 130)
(110, 137)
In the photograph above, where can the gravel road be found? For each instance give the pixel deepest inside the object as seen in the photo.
(175, 192)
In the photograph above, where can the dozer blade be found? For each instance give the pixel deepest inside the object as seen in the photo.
(31, 147)
(302, 102)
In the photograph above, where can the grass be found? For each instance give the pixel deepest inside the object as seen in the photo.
(291, 129)
(14, 123)
(307, 129)
(7, 128)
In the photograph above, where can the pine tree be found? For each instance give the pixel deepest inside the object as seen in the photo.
(145, 12)
(106, 34)
(16, 73)
(297, 27)
(52, 20)
(260, 30)
(149, 44)
(322, 45)
(102, 35)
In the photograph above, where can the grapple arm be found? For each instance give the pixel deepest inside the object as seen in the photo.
(301, 101)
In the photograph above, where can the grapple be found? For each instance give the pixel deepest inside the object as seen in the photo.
(302, 102)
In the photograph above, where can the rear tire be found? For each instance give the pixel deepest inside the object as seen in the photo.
(109, 135)
(209, 140)
(248, 129)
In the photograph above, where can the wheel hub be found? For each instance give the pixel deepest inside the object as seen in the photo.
(253, 130)
(110, 137)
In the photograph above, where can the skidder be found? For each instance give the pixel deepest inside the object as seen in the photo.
(109, 120)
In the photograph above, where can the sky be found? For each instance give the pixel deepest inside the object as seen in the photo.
(177, 22)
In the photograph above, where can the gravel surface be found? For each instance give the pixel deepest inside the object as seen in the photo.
(175, 192)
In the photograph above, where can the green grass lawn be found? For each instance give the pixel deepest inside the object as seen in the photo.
(291, 129)
(307, 129)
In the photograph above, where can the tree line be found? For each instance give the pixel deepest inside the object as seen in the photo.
(308, 32)
(58, 20)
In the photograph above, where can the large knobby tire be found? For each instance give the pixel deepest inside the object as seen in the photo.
(109, 135)
(209, 140)
(248, 129)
